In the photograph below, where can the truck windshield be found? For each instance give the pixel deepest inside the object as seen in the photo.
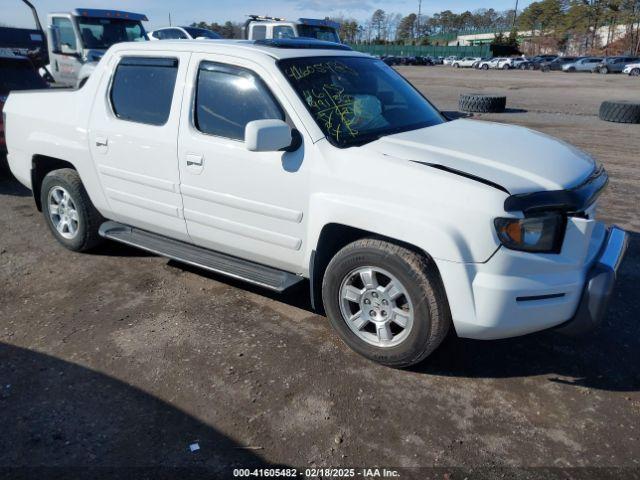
(101, 33)
(356, 100)
(18, 74)
(327, 34)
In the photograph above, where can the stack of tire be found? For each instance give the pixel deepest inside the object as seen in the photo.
(482, 103)
(620, 111)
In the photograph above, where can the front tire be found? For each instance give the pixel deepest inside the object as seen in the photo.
(68, 211)
(386, 302)
(635, 72)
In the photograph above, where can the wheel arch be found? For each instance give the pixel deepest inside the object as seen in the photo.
(335, 236)
(41, 165)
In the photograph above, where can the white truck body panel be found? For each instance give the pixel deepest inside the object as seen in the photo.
(271, 207)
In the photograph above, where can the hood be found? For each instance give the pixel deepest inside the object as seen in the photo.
(515, 158)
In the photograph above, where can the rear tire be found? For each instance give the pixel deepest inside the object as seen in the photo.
(635, 72)
(68, 211)
(372, 288)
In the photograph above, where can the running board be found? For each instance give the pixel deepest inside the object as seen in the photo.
(233, 267)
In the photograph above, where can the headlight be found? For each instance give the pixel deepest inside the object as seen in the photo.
(543, 234)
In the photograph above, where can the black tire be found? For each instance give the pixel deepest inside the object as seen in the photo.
(485, 67)
(89, 219)
(571, 70)
(481, 103)
(622, 111)
(635, 72)
(505, 67)
(456, 65)
(604, 70)
(420, 278)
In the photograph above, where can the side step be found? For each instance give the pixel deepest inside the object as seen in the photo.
(254, 273)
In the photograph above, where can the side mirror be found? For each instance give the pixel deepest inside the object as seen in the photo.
(54, 38)
(270, 136)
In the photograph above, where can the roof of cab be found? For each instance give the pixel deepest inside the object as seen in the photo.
(243, 47)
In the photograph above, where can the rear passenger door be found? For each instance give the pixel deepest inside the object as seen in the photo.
(248, 204)
(133, 139)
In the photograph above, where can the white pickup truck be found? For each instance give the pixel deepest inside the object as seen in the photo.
(277, 161)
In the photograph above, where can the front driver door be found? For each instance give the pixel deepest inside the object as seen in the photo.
(248, 204)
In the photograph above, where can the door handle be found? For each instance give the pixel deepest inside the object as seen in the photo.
(194, 160)
(102, 142)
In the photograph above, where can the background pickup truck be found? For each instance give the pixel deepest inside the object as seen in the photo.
(278, 161)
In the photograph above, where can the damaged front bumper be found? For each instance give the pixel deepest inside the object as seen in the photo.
(599, 285)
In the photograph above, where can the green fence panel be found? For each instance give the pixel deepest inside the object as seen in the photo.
(424, 50)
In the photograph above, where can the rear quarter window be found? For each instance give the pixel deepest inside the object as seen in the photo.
(142, 89)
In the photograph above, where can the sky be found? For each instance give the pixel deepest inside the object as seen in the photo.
(183, 12)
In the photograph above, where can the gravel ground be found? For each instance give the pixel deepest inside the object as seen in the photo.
(120, 359)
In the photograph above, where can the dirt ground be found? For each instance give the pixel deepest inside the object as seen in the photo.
(119, 359)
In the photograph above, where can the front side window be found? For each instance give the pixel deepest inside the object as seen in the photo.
(101, 33)
(67, 35)
(142, 89)
(356, 100)
(228, 97)
(283, 31)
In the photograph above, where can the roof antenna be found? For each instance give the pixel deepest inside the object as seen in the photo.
(170, 19)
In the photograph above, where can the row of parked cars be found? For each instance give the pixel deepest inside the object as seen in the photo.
(411, 60)
(546, 63)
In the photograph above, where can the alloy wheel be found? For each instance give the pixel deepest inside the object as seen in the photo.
(376, 306)
(63, 212)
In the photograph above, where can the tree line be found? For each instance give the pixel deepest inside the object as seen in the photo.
(553, 25)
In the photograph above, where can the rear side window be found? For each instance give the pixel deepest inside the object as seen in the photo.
(142, 89)
(259, 32)
(228, 97)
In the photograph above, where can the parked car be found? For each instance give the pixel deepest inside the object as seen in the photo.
(256, 173)
(614, 64)
(586, 64)
(437, 60)
(517, 62)
(391, 60)
(420, 60)
(466, 62)
(536, 62)
(494, 63)
(477, 63)
(16, 73)
(633, 69)
(183, 33)
(449, 60)
(557, 63)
